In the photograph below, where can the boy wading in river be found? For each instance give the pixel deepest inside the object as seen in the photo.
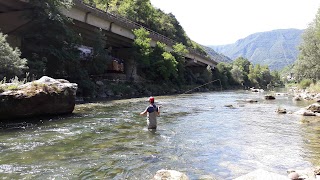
(152, 112)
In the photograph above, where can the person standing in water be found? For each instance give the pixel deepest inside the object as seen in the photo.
(152, 112)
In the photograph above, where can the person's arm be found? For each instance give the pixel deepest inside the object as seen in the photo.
(144, 112)
(158, 110)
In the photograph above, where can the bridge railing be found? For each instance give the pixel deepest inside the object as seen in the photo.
(132, 25)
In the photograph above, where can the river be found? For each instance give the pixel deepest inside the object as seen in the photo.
(196, 135)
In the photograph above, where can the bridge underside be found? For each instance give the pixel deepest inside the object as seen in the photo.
(12, 15)
(195, 63)
(90, 35)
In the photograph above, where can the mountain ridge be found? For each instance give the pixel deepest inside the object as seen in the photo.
(276, 48)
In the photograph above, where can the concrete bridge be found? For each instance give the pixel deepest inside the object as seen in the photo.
(118, 30)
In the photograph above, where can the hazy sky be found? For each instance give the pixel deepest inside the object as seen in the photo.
(217, 22)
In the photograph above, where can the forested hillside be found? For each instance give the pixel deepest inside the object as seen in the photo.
(217, 56)
(277, 48)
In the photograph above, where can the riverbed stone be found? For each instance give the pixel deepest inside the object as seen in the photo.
(293, 175)
(308, 173)
(281, 111)
(229, 106)
(269, 97)
(251, 100)
(169, 175)
(315, 107)
(46, 96)
(297, 98)
(308, 113)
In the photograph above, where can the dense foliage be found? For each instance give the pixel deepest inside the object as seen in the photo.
(307, 65)
(241, 72)
(158, 64)
(11, 63)
(51, 46)
(142, 12)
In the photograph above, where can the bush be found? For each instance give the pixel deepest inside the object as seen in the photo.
(315, 87)
(304, 83)
(11, 63)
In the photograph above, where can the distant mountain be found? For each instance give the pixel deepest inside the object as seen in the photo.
(277, 48)
(216, 56)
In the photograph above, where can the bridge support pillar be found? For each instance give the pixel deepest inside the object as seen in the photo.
(130, 68)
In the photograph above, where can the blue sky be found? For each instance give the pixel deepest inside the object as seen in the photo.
(217, 22)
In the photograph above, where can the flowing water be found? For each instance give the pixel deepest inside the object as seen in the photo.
(196, 135)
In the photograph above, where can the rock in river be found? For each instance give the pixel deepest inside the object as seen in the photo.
(46, 96)
(169, 175)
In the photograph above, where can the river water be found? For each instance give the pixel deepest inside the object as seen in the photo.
(196, 135)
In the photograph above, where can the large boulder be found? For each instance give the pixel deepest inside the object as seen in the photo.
(46, 96)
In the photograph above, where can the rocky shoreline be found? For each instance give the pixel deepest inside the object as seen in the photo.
(304, 174)
(114, 89)
(312, 97)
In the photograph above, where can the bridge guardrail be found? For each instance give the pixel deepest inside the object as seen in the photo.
(132, 25)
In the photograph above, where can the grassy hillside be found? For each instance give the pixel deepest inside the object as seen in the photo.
(277, 48)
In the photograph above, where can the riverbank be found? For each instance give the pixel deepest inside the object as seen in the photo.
(114, 90)
(305, 94)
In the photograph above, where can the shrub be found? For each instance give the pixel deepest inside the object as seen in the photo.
(11, 63)
(304, 83)
(315, 87)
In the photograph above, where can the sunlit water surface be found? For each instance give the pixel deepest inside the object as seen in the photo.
(196, 135)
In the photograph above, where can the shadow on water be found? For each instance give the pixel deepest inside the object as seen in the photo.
(29, 123)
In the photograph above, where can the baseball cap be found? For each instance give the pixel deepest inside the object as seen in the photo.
(151, 99)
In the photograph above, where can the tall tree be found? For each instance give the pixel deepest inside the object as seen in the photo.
(50, 42)
(142, 49)
(11, 63)
(241, 65)
(307, 65)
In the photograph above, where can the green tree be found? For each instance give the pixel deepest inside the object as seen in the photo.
(241, 65)
(101, 4)
(237, 74)
(51, 44)
(169, 67)
(224, 74)
(307, 65)
(276, 78)
(142, 49)
(179, 52)
(11, 63)
(163, 64)
(265, 76)
(259, 76)
(142, 12)
(51, 47)
(254, 75)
